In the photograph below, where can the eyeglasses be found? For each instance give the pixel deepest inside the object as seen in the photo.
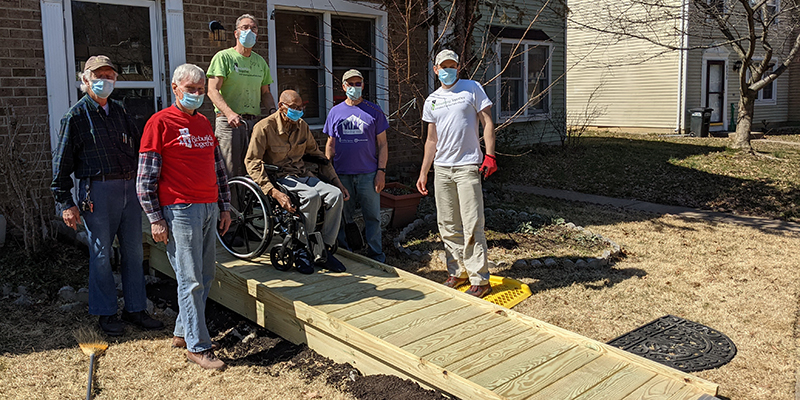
(356, 84)
(294, 106)
(248, 27)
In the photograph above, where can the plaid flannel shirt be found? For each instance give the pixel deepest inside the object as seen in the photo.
(93, 143)
(147, 184)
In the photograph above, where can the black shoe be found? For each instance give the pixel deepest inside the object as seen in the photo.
(332, 264)
(111, 325)
(142, 320)
(303, 262)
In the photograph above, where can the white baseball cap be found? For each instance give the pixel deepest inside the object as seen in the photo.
(445, 55)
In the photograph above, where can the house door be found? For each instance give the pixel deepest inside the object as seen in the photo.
(715, 89)
(128, 32)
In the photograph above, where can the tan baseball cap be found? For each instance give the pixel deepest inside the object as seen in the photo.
(351, 73)
(445, 55)
(95, 62)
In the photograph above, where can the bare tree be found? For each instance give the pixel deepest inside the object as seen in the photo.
(764, 34)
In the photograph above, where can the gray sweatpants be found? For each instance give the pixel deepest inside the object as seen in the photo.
(313, 194)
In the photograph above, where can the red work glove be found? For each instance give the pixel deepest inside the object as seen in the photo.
(489, 165)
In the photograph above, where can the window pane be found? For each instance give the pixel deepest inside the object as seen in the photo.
(767, 91)
(139, 103)
(123, 35)
(352, 43)
(511, 93)
(538, 79)
(298, 41)
(308, 83)
(514, 68)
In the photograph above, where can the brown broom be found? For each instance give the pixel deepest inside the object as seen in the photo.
(93, 345)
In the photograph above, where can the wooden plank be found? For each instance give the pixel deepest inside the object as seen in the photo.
(687, 392)
(499, 365)
(347, 293)
(411, 293)
(446, 356)
(547, 373)
(660, 387)
(332, 282)
(419, 369)
(453, 334)
(406, 319)
(618, 385)
(583, 379)
(397, 309)
(385, 290)
(422, 324)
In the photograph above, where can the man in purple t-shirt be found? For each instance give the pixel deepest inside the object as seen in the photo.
(356, 130)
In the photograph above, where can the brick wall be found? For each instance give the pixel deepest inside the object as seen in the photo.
(23, 97)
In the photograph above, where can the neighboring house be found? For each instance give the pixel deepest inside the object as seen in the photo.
(308, 45)
(645, 87)
(520, 51)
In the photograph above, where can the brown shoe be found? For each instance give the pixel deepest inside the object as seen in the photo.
(180, 343)
(479, 291)
(454, 282)
(206, 359)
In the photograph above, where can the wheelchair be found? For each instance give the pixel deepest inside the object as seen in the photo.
(256, 218)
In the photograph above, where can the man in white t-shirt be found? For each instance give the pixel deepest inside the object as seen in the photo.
(453, 113)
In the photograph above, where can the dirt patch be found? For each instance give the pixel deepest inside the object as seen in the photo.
(393, 388)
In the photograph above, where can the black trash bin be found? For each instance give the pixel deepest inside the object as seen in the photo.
(701, 119)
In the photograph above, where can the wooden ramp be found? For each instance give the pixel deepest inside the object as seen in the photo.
(384, 320)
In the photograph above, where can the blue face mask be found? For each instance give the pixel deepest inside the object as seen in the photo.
(353, 92)
(448, 76)
(192, 101)
(102, 87)
(293, 114)
(247, 38)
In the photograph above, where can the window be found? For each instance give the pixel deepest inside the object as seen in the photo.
(316, 47)
(524, 81)
(716, 7)
(771, 6)
(767, 93)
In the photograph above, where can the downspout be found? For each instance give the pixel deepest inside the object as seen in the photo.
(682, 67)
(429, 73)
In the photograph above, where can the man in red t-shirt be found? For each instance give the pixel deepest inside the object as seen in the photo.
(184, 191)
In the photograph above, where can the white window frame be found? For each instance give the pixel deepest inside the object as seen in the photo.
(776, 4)
(343, 8)
(527, 114)
(760, 100)
(156, 50)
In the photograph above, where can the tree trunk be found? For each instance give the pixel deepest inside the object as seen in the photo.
(744, 122)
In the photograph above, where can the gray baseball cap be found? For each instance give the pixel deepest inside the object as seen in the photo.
(445, 55)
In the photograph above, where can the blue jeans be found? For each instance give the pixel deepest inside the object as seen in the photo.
(116, 212)
(192, 251)
(362, 189)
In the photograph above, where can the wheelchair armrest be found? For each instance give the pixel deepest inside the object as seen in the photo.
(270, 168)
(316, 159)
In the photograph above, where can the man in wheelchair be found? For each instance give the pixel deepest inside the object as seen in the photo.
(283, 139)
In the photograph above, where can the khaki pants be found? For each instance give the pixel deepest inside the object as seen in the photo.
(459, 212)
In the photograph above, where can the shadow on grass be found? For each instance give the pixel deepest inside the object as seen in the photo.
(662, 172)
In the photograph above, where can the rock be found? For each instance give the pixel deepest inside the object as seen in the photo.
(502, 264)
(23, 300)
(491, 264)
(581, 263)
(6, 290)
(416, 254)
(523, 216)
(150, 306)
(120, 303)
(550, 263)
(594, 263)
(430, 218)
(22, 290)
(520, 264)
(71, 306)
(149, 279)
(603, 262)
(170, 313)
(83, 295)
(511, 213)
(67, 294)
(487, 211)
(535, 263)
(606, 254)
(567, 263)
(570, 225)
(249, 337)
(118, 281)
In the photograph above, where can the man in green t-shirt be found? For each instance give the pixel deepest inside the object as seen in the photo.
(238, 83)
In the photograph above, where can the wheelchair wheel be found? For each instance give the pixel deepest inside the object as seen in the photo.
(281, 262)
(251, 220)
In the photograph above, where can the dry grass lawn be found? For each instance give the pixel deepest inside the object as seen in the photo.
(740, 281)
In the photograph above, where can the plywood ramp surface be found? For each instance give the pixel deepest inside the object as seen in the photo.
(384, 320)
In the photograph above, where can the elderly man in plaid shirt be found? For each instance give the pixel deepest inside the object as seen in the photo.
(98, 142)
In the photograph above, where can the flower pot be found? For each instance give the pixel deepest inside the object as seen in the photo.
(404, 205)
